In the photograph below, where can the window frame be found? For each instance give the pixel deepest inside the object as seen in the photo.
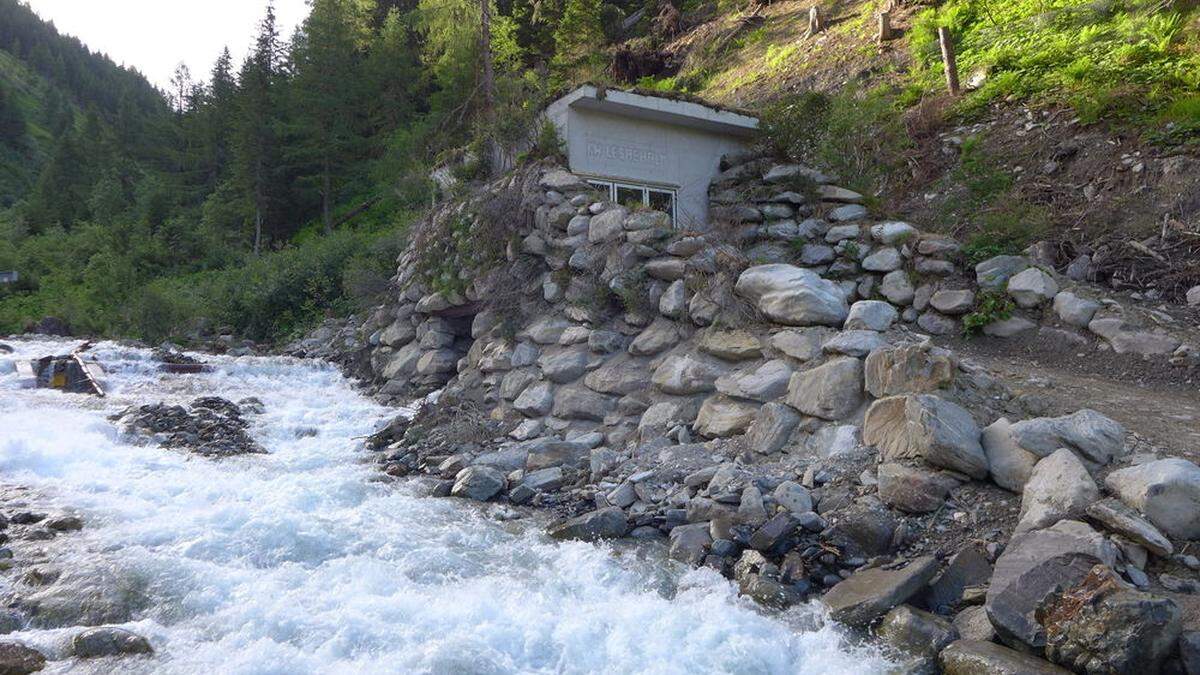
(611, 185)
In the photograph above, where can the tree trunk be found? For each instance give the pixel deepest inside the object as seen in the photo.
(948, 60)
(257, 231)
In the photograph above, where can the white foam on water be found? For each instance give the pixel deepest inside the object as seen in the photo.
(300, 561)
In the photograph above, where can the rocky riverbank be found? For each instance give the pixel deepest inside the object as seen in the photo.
(765, 396)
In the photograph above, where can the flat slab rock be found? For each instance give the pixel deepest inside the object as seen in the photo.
(871, 593)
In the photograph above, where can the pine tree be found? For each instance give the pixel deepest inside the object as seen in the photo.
(255, 143)
(579, 31)
(327, 90)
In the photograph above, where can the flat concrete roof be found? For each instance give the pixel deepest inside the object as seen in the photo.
(661, 109)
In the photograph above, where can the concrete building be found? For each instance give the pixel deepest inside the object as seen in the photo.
(646, 149)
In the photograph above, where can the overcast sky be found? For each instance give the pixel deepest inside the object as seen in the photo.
(155, 35)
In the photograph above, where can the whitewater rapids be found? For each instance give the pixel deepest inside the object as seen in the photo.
(303, 561)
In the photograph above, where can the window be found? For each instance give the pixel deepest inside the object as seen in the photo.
(631, 194)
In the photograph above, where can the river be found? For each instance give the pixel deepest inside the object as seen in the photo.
(304, 561)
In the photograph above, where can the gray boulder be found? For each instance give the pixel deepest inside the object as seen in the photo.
(1089, 434)
(830, 391)
(870, 593)
(916, 632)
(1032, 287)
(972, 623)
(660, 335)
(764, 382)
(1075, 310)
(1034, 565)
(897, 288)
(536, 400)
(926, 427)
(993, 274)
(793, 296)
(1059, 487)
(1167, 491)
(682, 374)
(1009, 464)
(18, 659)
(565, 366)
(730, 345)
(953, 301)
(908, 369)
(689, 543)
(721, 416)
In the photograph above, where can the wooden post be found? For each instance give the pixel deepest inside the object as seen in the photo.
(814, 20)
(885, 26)
(948, 60)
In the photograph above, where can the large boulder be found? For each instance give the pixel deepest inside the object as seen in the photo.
(575, 402)
(1089, 434)
(536, 400)
(606, 523)
(871, 315)
(830, 391)
(926, 427)
(1060, 487)
(1034, 565)
(793, 296)
(974, 657)
(870, 593)
(993, 274)
(689, 543)
(1101, 626)
(1009, 463)
(1166, 490)
(908, 369)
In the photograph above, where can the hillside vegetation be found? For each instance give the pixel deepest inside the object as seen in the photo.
(276, 189)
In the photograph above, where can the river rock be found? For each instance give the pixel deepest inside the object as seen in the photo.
(830, 391)
(1126, 522)
(1032, 287)
(869, 593)
(764, 382)
(1009, 464)
(916, 632)
(1167, 491)
(108, 641)
(606, 523)
(972, 623)
(18, 659)
(1034, 565)
(969, 567)
(793, 296)
(911, 368)
(973, 657)
(721, 416)
(923, 426)
(689, 543)
(1088, 433)
(1100, 626)
(913, 490)
(1060, 487)
(480, 483)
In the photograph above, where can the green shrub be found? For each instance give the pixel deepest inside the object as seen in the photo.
(990, 307)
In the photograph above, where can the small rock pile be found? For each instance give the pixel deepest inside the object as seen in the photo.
(209, 426)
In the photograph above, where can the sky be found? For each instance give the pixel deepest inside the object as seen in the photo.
(154, 36)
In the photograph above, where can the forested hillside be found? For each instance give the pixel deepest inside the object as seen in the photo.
(274, 189)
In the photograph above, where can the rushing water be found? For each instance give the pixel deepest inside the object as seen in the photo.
(302, 561)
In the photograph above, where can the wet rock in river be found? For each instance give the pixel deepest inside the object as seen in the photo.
(209, 426)
(108, 641)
